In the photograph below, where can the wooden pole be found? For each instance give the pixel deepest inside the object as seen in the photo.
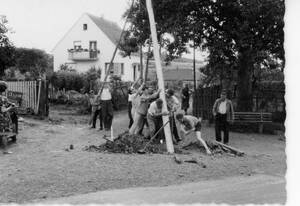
(115, 51)
(147, 62)
(141, 62)
(194, 67)
(161, 85)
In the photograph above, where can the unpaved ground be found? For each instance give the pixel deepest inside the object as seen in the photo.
(41, 168)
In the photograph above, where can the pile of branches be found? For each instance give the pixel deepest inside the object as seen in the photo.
(129, 144)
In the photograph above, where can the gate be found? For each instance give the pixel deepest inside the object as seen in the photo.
(33, 95)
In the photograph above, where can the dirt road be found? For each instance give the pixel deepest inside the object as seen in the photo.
(258, 189)
(41, 167)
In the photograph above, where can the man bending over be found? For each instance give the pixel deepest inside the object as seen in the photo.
(189, 124)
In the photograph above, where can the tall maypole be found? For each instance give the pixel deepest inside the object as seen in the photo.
(160, 77)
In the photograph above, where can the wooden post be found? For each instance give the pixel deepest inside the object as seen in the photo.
(141, 63)
(147, 62)
(194, 67)
(160, 78)
(38, 97)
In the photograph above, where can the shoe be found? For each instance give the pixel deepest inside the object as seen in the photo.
(7, 152)
(92, 127)
(101, 128)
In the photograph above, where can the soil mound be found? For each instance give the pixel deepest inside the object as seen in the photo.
(130, 144)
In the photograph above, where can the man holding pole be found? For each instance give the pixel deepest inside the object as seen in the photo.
(154, 116)
(142, 109)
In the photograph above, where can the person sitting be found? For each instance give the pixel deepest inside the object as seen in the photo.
(189, 124)
(154, 116)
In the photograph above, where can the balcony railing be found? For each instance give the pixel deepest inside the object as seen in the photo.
(83, 55)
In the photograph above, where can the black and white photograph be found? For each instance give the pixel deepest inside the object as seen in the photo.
(138, 102)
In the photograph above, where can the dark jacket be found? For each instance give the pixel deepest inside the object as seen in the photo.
(229, 108)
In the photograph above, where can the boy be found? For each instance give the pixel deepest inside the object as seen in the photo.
(190, 123)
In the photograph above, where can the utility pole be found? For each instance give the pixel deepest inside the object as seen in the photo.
(160, 78)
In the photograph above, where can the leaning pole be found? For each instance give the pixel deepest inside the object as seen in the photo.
(160, 77)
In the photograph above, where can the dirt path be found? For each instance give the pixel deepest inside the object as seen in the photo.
(258, 189)
(40, 168)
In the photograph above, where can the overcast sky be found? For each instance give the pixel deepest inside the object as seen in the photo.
(42, 23)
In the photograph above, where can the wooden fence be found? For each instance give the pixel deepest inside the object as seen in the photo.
(265, 100)
(34, 95)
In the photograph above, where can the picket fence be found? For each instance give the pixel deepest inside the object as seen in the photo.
(30, 93)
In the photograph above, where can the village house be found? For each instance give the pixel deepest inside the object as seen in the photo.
(91, 42)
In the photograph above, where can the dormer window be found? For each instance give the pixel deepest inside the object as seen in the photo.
(84, 27)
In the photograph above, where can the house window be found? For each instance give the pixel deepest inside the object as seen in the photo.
(117, 68)
(84, 27)
(77, 45)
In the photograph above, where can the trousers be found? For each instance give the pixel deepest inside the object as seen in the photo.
(107, 113)
(221, 124)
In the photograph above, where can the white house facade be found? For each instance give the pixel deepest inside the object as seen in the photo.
(90, 43)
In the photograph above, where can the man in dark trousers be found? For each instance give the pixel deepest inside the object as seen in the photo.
(173, 105)
(223, 113)
(106, 106)
(185, 96)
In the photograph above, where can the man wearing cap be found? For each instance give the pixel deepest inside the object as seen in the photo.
(223, 113)
(154, 116)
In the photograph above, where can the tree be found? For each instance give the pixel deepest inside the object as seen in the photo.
(6, 47)
(36, 62)
(238, 34)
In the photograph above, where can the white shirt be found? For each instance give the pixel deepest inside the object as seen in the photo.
(153, 109)
(106, 95)
(130, 97)
(222, 107)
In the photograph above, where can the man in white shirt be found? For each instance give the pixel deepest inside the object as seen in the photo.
(154, 116)
(223, 113)
(106, 106)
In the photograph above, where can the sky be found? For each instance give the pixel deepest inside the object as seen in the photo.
(42, 23)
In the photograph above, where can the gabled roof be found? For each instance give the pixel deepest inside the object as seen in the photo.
(110, 29)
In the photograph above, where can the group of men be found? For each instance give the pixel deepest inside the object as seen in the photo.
(146, 108)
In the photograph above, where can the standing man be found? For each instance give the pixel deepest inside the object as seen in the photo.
(106, 106)
(185, 95)
(173, 105)
(154, 116)
(131, 94)
(141, 110)
(223, 113)
(189, 124)
(96, 110)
